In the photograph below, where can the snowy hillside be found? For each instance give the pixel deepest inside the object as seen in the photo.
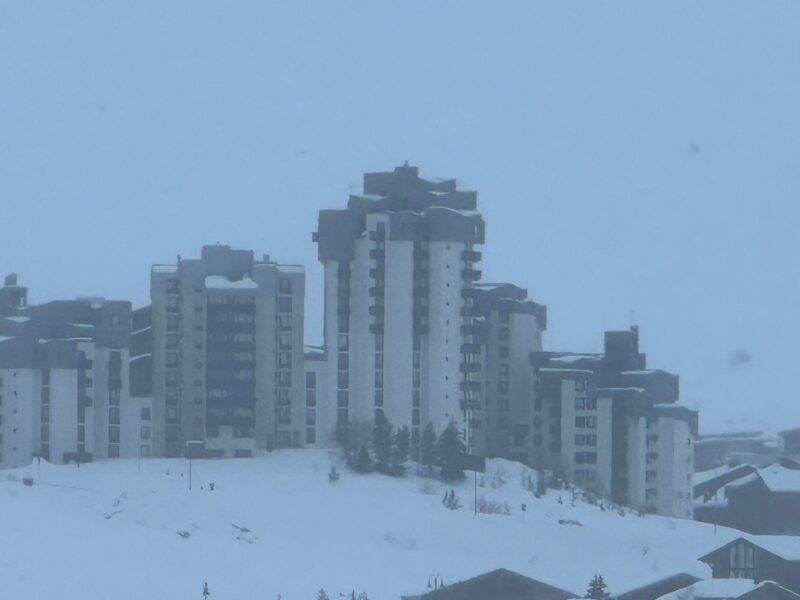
(276, 526)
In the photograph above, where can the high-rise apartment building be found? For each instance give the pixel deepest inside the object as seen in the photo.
(511, 329)
(228, 375)
(63, 377)
(609, 424)
(398, 263)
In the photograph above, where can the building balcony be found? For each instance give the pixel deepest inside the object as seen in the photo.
(471, 274)
(377, 254)
(471, 348)
(472, 329)
(471, 256)
(377, 273)
(471, 405)
(377, 236)
(470, 386)
(377, 291)
(471, 311)
(471, 367)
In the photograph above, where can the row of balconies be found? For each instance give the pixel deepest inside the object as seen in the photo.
(471, 274)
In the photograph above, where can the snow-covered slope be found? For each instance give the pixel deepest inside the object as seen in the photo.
(275, 526)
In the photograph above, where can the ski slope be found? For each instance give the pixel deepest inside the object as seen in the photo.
(276, 527)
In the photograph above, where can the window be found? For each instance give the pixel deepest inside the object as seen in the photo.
(285, 304)
(172, 341)
(378, 397)
(343, 342)
(743, 561)
(503, 333)
(285, 285)
(580, 386)
(145, 432)
(113, 415)
(285, 322)
(343, 380)
(504, 352)
(343, 361)
(311, 379)
(586, 422)
(342, 398)
(285, 359)
(580, 403)
(285, 341)
(113, 451)
(586, 458)
(144, 451)
(113, 434)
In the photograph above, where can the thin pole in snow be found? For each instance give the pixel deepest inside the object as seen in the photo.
(476, 492)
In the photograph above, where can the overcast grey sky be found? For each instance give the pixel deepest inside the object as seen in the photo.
(635, 162)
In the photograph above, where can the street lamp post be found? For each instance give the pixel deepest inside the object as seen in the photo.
(191, 447)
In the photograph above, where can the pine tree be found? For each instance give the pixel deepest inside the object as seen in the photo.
(427, 447)
(382, 442)
(451, 454)
(322, 594)
(363, 462)
(415, 442)
(342, 433)
(401, 444)
(597, 588)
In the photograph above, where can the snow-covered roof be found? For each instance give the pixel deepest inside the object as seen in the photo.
(165, 268)
(554, 370)
(135, 358)
(291, 268)
(640, 372)
(714, 588)
(780, 479)
(218, 282)
(19, 319)
(5, 338)
(571, 358)
(786, 547)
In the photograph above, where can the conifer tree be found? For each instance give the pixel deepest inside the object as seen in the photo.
(382, 442)
(597, 588)
(322, 594)
(427, 448)
(401, 444)
(451, 454)
(363, 463)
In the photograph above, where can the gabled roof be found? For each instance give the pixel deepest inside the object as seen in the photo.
(500, 584)
(729, 589)
(659, 588)
(786, 547)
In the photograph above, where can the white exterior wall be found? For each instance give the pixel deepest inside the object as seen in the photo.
(637, 462)
(20, 414)
(442, 358)
(64, 413)
(674, 468)
(604, 445)
(398, 332)
(326, 378)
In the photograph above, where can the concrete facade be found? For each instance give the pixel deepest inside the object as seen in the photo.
(227, 354)
(64, 377)
(397, 262)
(610, 425)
